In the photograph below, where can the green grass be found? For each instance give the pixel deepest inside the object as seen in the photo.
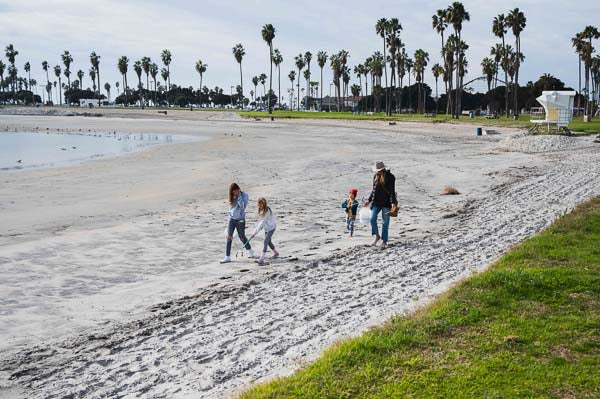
(529, 326)
(577, 125)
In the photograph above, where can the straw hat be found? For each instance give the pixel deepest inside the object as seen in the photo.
(379, 166)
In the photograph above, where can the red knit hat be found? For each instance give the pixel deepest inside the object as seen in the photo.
(354, 191)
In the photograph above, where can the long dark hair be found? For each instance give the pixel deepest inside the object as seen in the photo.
(380, 176)
(232, 188)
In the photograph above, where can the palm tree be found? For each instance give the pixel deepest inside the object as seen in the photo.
(307, 60)
(255, 83)
(92, 74)
(439, 22)
(57, 72)
(27, 68)
(409, 65)
(277, 60)
(201, 68)
(300, 64)
(516, 21)
(11, 55)
(292, 77)
(80, 75)
(67, 59)
(421, 61)
(164, 74)
(497, 53)
(123, 65)
(238, 54)
(154, 74)
(263, 78)
(437, 70)
(107, 88)
(590, 32)
(359, 70)
(579, 43)
(95, 61)
(489, 69)
(137, 67)
(456, 16)
(268, 34)
(307, 78)
(146, 62)
(166, 58)
(393, 28)
(381, 28)
(336, 68)
(321, 61)
(499, 26)
(45, 67)
(2, 69)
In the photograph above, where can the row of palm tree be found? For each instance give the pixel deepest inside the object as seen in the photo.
(583, 44)
(452, 66)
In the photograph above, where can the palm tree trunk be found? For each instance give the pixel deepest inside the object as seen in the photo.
(270, 76)
(242, 85)
(279, 85)
(98, 76)
(299, 74)
(579, 92)
(516, 89)
(322, 90)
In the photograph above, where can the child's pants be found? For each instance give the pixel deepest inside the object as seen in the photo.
(268, 242)
(350, 224)
(240, 226)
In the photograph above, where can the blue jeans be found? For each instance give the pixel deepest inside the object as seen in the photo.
(240, 226)
(350, 225)
(386, 222)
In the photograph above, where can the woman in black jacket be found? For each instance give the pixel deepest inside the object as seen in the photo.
(382, 199)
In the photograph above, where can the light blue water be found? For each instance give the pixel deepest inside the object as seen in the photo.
(44, 150)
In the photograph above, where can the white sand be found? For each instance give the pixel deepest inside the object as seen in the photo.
(111, 284)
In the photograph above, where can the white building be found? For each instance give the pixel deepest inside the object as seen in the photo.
(92, 102)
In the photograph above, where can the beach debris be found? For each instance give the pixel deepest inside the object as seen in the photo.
(64, 149)
(392, 123)
(19, 161)
(162, 112)
(448, 190)
(449, 215)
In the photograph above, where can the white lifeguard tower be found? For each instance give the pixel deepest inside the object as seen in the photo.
(558, 107)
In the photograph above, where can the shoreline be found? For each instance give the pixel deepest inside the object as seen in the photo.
(167, 139)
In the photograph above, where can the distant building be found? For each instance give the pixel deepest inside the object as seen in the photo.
(92, 102)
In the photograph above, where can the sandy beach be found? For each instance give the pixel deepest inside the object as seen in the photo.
(112, 285)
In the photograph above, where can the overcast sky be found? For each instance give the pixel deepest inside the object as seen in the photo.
(208, 29)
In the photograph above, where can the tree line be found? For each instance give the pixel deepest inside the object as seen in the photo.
(381, 92)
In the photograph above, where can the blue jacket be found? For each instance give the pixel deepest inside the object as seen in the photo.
(237, 211)
(352, 209)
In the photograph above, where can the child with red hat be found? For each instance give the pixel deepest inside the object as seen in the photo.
(351, 207)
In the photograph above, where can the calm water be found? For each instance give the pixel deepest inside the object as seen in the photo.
(43, 150)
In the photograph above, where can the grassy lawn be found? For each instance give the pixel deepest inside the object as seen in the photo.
(529, 326)
(523, 122)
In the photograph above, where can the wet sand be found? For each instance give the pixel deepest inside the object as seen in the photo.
(112, 281)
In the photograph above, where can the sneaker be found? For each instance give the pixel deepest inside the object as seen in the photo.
(275, 254)
(250, 253)
(375, 240)
(261, 262)
(383, 245)
(226, 259)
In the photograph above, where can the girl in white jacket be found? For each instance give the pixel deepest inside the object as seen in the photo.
(269, 223)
